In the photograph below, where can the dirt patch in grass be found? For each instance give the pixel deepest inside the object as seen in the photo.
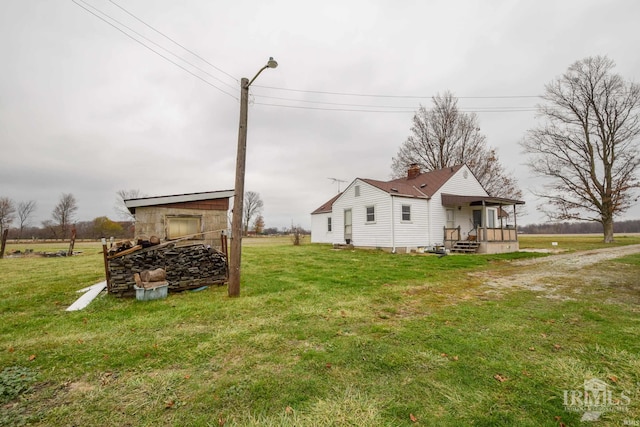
(564, 276)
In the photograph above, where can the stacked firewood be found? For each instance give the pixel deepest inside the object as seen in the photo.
(131, 246)
(186, 267)
(149, 279)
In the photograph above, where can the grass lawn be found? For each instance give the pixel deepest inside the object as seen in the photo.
(573, 242)
(318, 337)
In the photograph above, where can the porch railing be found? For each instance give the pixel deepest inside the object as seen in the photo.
(509, 234)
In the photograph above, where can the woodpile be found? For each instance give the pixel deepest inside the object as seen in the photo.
(128, 246)
(185, 267)
(150, 279)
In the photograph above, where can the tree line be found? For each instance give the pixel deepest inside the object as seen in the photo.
(60, 224)
(582, 227)
(63, 219)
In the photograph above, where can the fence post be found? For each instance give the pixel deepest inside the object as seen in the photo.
(5, 233)
(106, 264)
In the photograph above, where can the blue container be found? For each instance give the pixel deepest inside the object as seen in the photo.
(148, 294)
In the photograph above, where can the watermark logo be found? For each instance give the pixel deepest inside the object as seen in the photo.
(595, 398)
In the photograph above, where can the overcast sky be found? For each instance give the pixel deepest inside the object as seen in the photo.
(84, 109)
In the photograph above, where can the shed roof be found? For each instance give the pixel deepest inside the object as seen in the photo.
(132, 204)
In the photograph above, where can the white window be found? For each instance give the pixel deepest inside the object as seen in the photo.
(406, 212)
(329, 224)
(357, 190)
(371, 213)
(182, 226)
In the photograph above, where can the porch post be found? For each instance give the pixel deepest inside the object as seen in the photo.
(515, 222)
(484, 221)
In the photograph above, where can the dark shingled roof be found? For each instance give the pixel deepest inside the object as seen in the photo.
(326, 208)
(422, 186)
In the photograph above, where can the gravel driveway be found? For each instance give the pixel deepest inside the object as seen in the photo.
(555, 274)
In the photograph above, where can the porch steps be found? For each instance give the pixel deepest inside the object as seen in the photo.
(465, 246)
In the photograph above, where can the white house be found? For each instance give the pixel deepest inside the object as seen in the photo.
(447, 207)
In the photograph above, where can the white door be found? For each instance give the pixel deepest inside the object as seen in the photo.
(450, 218)
(347, 225)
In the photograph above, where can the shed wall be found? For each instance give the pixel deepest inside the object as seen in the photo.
(151, 221)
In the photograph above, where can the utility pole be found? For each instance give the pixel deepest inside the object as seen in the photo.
(235, 257)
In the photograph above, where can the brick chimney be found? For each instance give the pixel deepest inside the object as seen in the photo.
(414, 171)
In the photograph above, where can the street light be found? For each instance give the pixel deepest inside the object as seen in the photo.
(238, 200)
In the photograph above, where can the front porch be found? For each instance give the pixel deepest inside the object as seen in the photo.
(493, 228)
(482, 240)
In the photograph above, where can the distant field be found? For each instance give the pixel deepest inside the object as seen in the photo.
(574, 241)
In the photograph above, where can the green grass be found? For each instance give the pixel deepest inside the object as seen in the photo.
(318, 337)
(573, 242)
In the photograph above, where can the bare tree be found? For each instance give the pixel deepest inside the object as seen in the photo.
(7, 213)
(64, 212)
(252, 206)
(258, 225)
(444, 136)
(588, 144)
(25, 210)
(49, 229)
(121, 208)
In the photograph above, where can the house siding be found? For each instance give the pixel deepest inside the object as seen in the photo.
(376, 234)
(411, 233)
(460, 185)
(319, 233)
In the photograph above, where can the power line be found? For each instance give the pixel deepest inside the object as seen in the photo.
(406, 110)
(326, 103)
(361, 107)
(476, 109)
(175, 42)
(150, 48)
(395, 96)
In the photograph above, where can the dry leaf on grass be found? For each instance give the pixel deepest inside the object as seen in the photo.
(500, 378)
(413, 418)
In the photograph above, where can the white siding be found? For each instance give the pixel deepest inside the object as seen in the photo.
(461, 186)
(428, 217)
(411, 233)
(376, 234)
(319, 232)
